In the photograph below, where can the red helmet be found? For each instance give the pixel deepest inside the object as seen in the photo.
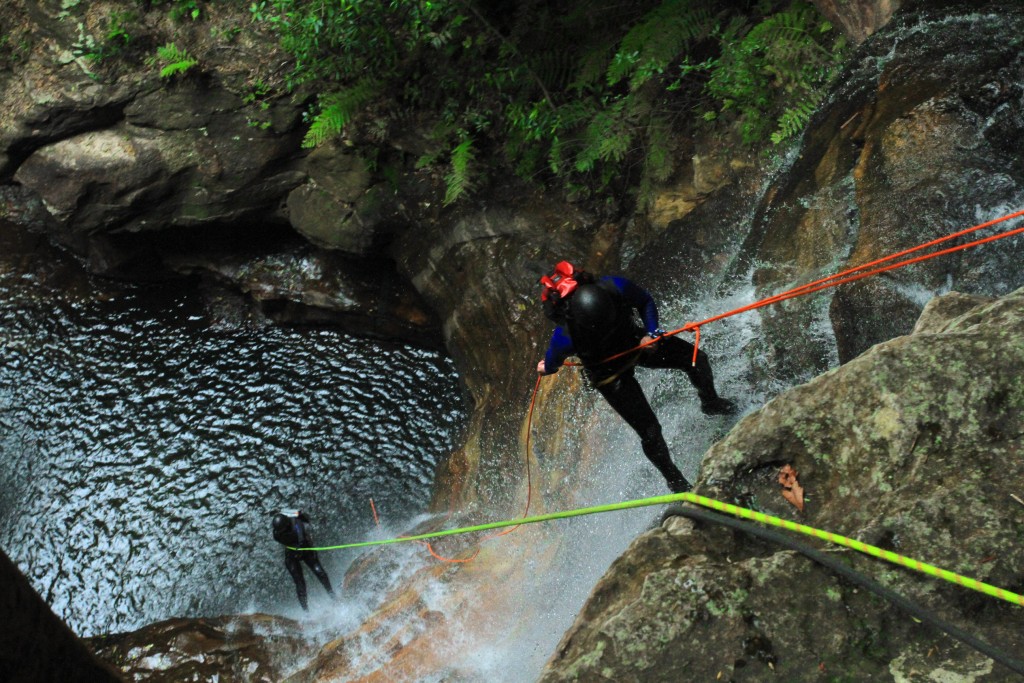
(562, 280)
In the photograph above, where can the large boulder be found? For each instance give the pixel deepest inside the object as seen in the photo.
(914, 446)
(111, 145)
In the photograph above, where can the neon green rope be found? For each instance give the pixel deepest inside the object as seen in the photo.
(734, 510)
(874, 551)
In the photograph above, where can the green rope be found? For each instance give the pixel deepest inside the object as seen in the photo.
(734, 510)
(626, 505)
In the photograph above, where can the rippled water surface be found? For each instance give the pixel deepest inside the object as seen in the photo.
(142, 452)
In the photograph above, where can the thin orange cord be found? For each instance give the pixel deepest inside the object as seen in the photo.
(529, 489)
(847, 276)
(376, 520)
(529, 479)
(452, 560)
(826, 283)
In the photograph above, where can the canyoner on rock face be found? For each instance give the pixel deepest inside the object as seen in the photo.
(595, 320)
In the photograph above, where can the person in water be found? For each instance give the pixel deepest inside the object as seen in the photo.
(290, 530)
(596, 319)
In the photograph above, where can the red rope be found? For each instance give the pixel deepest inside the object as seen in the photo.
(847, 276)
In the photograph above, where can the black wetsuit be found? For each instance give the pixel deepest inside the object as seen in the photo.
(291, 531)
(615, 380)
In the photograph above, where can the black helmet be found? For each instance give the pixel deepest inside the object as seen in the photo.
(591, 309)
(281, 524)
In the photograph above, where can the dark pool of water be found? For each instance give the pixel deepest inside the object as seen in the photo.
(142, 452)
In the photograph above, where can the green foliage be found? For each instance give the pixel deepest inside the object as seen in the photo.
(118, 36)
(657, 41)
(795, 118)
(14, 49)
(585, 93)
(185, 8)
(337, 110)
(174, 60)
(457, 181)
(116, 39)
(774, 71)
(180, 9)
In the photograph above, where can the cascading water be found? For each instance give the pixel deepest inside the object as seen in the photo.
(587, 546)
(142, 453)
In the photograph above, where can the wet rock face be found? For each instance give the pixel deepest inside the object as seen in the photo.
(251, 648)
(858, 19)
(146, 177)
(479, 270)
(919, 139)
(915, 447)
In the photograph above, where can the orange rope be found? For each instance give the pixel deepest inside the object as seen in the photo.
(529, 480)
(376, 520)
(845, 277)
(451, 560)
(831, 281)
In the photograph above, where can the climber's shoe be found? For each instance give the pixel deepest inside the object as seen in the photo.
(680, 486)
(718, 406)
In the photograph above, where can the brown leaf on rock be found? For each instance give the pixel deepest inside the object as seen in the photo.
(791, 489)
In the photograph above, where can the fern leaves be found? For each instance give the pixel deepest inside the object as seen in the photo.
(794, 119)
(650, 46)
(457, 182)
(175, 60)
(779, 64)
(337, 110)
(588, 94)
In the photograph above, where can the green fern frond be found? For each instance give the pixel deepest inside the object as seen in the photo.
(554, 68)
(658, 165)
(337, 109)
(457, 182)
(175, 60)
(591, 68)
(607, 138)
(780, 64)
(794, 119)
(654, 43)
(557, 155)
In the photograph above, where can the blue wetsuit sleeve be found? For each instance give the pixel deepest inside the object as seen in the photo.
(559, 348)
(640, 299)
